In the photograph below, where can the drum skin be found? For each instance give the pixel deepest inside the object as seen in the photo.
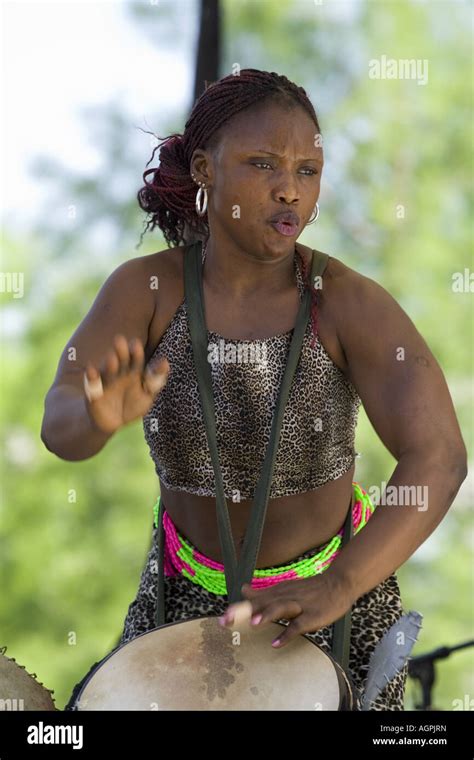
(199, 665)
(19, 690)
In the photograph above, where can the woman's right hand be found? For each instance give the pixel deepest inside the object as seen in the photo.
(123, 389)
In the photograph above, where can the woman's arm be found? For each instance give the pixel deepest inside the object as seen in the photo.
(407, 400)
(124, 305)
(67, 429)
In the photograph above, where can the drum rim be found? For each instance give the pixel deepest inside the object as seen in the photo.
(343, 680)
(41, 690)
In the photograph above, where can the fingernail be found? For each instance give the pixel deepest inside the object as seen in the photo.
(276, 643)
(256, 619)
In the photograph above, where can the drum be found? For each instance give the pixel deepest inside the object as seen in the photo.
(199, 665)
(19, 690)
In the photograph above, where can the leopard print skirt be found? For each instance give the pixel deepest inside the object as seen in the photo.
(372, 614)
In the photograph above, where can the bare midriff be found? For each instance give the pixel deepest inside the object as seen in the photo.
(293, 524)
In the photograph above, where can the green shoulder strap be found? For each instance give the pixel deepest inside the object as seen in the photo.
(341, 632)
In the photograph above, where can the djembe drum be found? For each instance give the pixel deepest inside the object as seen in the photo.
(198, 665)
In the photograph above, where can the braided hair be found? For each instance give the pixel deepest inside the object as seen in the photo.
(169, 192)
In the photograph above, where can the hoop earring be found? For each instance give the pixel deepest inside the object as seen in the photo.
(200, 210)
(310, 221)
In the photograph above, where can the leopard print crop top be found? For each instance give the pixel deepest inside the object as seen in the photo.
(317, 435)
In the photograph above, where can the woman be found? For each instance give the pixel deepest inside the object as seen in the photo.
(244, 179)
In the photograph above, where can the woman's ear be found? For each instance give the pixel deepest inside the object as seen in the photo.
(201, 166)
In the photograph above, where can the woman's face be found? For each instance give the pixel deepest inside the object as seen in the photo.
(247, 185)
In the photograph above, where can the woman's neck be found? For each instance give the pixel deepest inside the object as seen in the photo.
(240, 276)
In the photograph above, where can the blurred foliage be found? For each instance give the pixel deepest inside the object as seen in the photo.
(74, 536)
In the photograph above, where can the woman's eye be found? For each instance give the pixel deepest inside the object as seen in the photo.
(306, 169)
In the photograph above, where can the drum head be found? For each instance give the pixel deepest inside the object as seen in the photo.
(198, 665)
(19, 690)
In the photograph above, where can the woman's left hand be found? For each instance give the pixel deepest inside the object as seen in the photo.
(309, 604)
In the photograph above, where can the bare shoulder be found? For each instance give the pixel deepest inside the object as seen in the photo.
(168, 266)
(369, 321)
(356, 314)
(335, 274)
(143, 283)
(338, 275)
(348, 293)
(339, 282)
(345, 292)
(167, 262)
(165, 270)
(128, 303)
(137, 274)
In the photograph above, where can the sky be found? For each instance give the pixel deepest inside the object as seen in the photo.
(58, 57)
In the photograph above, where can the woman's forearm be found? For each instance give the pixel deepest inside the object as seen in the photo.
(400, 525)
(67, 429)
